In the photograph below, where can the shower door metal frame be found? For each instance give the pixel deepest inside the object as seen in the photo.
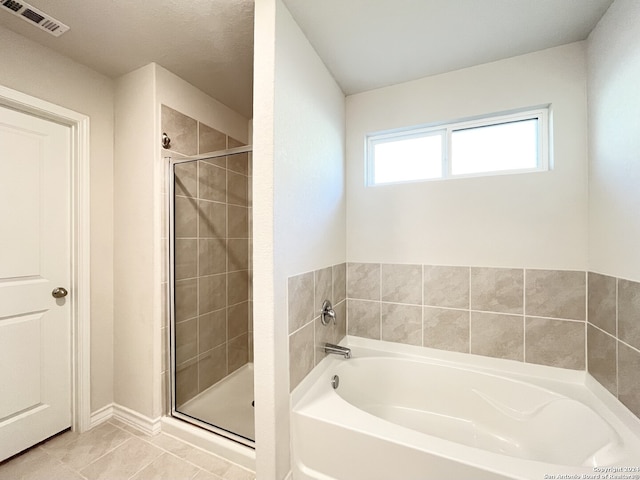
(171, 387)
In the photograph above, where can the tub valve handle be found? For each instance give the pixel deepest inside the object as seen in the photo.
(327, 313)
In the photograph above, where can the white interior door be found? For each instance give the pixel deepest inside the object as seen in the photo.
(35, 327)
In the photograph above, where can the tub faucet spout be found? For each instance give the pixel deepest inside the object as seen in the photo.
(337, 349)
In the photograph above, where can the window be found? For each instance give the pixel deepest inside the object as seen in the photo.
(491, 145)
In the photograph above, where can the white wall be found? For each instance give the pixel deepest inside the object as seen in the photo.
(136, 336)
(40, 72)
(299, 204)
(614, 142)
(536, 220)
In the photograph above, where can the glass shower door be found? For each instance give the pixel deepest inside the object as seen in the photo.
(210, 292)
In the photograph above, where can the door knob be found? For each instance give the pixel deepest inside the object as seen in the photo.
(59, 292)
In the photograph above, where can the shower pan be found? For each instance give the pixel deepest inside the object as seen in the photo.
(209, 292)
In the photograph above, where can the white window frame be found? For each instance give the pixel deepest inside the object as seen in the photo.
(446, 130)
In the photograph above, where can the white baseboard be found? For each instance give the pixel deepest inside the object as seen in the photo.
(150, 426)
(132, 418)
(101, 415)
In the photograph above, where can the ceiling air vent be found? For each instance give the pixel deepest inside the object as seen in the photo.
(35, 17)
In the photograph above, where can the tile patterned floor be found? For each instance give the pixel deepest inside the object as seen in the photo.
(115, 451)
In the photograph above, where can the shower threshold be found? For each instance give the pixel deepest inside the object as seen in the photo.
(226, 404)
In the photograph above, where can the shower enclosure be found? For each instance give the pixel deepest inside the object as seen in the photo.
(210, 277)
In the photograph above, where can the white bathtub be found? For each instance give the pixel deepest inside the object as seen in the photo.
(400, 413)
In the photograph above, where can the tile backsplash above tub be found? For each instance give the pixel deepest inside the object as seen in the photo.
(306, 292)
(525, 315)
(613, 337)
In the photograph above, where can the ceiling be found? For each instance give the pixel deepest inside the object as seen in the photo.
(366, 44)
(209, 43)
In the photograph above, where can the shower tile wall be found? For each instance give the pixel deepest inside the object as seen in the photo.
(533, 316)
(212, 259)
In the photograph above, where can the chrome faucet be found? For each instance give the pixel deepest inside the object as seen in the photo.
(337, 349)
(327, 313)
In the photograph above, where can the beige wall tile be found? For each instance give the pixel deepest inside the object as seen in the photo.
(497, 290)
(238, 254)
(212, 256)
(238, 319)
(496, 335)
(446, 286)
(186, 179)
(601, 303)
(212, 330)
(323, 288)
(340, 282)
(237, 189)
(238, 222)
(363, 281)
(186, 258)
(212, 219)
(401, 283)
(556, 294)
(601, 358)
(301, 354)
(186, 301)
(557, 343)
(300, 300)
(363, 319)
(212, 182)
(186, 340)
(239, 163)
(210, 139)
(238, 287)
(212, 367)
(446, 329)
(233, 143)
(212, 293)
(401, 323)
(341, 321)
(629, 377)
(182, 131)
(238, 352)
(629, 312)
(186, 381)
(186, 217)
